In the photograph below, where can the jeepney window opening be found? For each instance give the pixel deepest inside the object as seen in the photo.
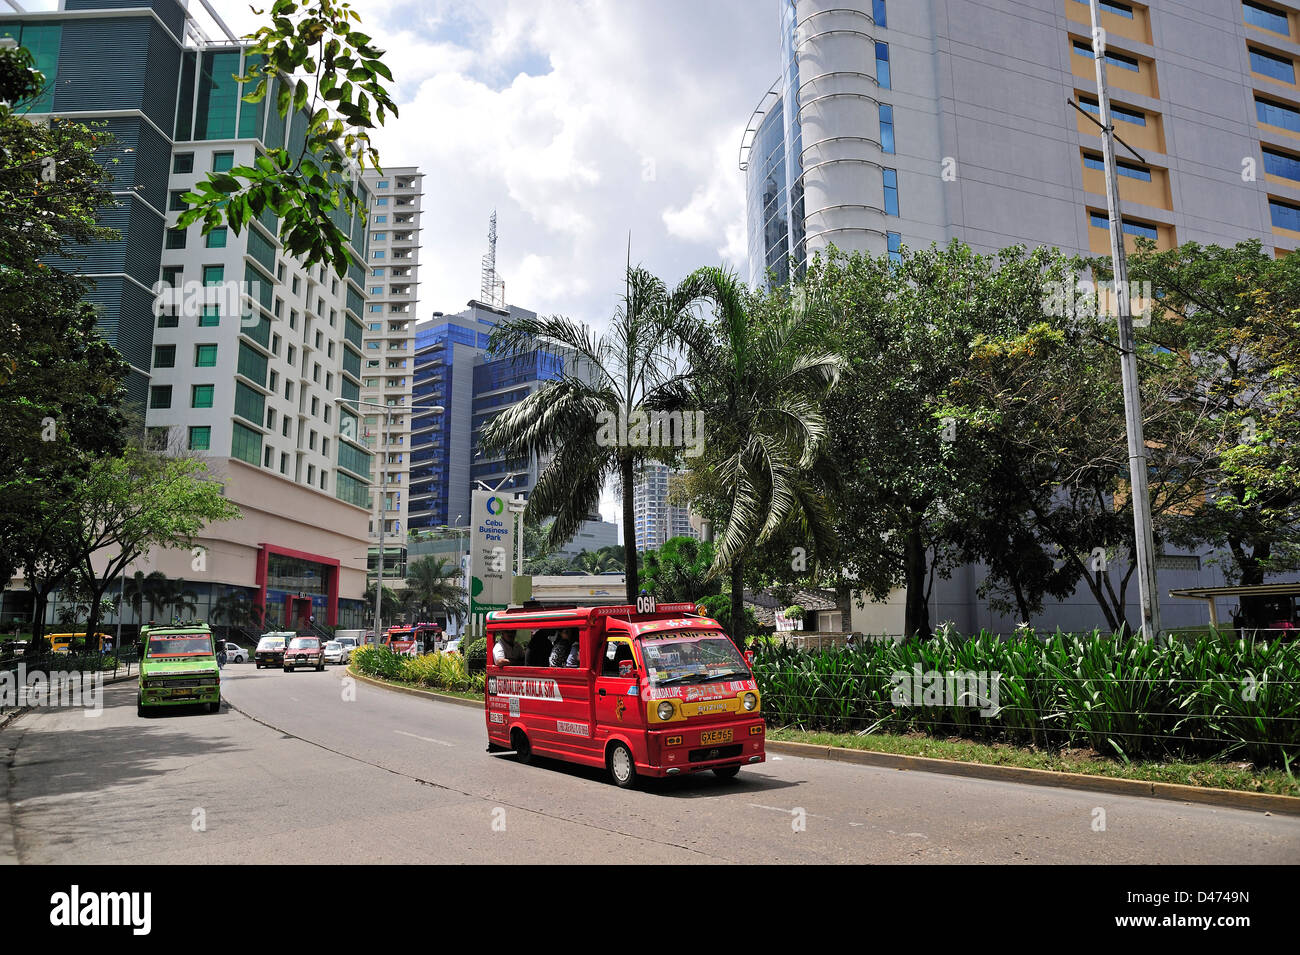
(179, 645)
(617, 651)
(697, 656)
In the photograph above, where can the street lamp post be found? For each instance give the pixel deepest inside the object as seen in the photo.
(383, 491)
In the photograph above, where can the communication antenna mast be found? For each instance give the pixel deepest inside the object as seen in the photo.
(492, 289)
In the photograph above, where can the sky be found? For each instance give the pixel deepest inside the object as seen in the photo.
(581, 122)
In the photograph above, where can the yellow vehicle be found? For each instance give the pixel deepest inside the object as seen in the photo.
(62, 642)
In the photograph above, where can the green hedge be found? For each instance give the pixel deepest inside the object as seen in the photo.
(1210, 696)
(441, 671)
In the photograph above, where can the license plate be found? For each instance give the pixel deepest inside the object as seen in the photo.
(715, 736)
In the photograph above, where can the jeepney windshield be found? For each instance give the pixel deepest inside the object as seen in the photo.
(692, 656)
(179, 645)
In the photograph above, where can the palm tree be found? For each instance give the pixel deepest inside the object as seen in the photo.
(433, 582)
(758, 380)
(141, 588)
(606, 377)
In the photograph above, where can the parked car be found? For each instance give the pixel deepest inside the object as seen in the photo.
(335, 652)
(349, 644)
(270, 652)
(235, 653)
(304, 652)
(453, 645)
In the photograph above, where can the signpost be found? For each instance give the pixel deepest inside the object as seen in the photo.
(490, 539)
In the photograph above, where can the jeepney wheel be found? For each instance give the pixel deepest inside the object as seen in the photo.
(726, 772)
(214, 707)
(288, 669)
(622, 767)
(519, 743)
(139, 706)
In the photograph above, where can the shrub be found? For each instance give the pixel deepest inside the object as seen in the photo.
(476, 656)
(1210, 697)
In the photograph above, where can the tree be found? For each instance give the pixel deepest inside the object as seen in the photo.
(681, 570)
(317, 65)
(140, 589)
(61, 384)
(757, 379)
(238, 611)
(1230, 316)
(918, 494)
(432, 583)
(390, 604)
(587, 418)
(137, 501)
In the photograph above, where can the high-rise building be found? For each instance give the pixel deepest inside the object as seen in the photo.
(655, 518)
(896, 123)
(900, 123)
(392, 306)
(454, 369)
(239, 351)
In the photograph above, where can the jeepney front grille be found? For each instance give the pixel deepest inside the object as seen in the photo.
(715, 752)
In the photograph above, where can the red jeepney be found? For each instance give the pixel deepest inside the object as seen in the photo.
(658, 691)
(414, 639)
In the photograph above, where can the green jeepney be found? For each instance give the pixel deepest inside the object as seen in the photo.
(178, 668)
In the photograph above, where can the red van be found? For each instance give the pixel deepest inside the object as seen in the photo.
(650, 691)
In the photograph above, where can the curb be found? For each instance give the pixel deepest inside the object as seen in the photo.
(413, 691)
(1224, 798)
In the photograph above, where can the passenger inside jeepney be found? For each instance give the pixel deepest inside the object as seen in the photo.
(560, 652)
(539, 649)
(505, 650)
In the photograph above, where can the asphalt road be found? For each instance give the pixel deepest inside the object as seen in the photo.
(316, 768)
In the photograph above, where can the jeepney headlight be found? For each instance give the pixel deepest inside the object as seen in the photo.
(665, 711)
(749, 700)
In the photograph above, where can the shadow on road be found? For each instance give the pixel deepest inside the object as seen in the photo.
(691, 786)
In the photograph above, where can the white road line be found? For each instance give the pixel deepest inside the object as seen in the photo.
(427, 739)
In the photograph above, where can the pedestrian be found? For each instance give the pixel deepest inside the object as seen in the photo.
(221, 655)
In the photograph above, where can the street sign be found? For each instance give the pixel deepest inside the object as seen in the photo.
(489, 554)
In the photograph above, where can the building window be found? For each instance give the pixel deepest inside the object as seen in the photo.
(223, 162)
(1132, 227)
(382, 184)
(1084, 48)
(217, 238)
(164, 356)
(376, 290)
(886, 128)
(882, 66)
(284, 463)
(891, 192)
(266, 458)
(214, 274)
(211, 317)
(378, 273)
(1273, 66)
(1118, 113)
(166, 320)
(176, 201)
(160, 396)
(1115, 7)
(183, 163)
(895, 247)
(381, 220)
(200, 438)
(1277, 114)
(1266, 18)
(1124, 168)
(1282, 164)
(375, 308)
(381, 201)
(381, 236)
(205, 356)
(175, 238)
(201, 396)
(297, 284)
(1285, 215)
(377, 255)
(171, 275)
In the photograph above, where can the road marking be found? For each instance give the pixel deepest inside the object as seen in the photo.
(427, 739)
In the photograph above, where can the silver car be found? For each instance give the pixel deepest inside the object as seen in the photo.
(336, 652)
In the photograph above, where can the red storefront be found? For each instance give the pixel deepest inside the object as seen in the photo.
(294, 585)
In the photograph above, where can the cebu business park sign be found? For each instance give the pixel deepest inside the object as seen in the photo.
(490, 550)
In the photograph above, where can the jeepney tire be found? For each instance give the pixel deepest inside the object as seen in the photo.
(139, 707)
(288, 669)
(726, 772)
(522, 747)
(214, 707)
(622, 766)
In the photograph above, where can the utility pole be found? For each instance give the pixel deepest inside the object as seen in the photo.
(1137, 452)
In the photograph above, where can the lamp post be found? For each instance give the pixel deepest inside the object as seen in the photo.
(383, 490)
